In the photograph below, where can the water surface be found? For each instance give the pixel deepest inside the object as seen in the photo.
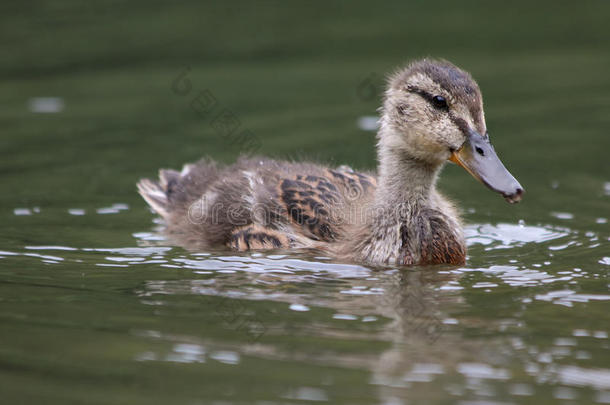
(96, 307)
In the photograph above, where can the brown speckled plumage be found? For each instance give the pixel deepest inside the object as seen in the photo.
(256, 203)
(395, 216)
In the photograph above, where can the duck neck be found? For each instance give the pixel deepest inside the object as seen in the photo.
(411, 223)
(404, 180)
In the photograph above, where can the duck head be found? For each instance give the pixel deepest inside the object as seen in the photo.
(433, 112)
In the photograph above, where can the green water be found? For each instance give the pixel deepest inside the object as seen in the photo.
(95, 308)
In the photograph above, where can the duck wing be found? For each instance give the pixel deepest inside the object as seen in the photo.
(256, 203)
(320, 205)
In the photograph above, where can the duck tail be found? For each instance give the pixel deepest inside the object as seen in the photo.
(156, 194)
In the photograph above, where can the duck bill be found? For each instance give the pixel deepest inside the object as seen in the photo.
(479, 158)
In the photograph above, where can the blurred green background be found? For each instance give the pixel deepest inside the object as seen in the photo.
(297, 75)
(290, 71)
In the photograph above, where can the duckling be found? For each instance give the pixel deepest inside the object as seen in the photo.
(432, 113)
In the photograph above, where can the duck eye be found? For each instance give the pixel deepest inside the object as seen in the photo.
(439, 102)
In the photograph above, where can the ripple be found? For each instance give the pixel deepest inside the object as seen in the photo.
(50, 248)
(136, 251)
(26, 211)
(22, 211)
(114, 209)
(502, 236)
(483, 371)
(46, 257)
(578, 376)
(512, 275)
(257, 263)
(46, 105)
(562, 215)
(307, 394)
(148, 236)
(345, 317)
(299, 307)
(76, 211)
(568, 297)
(7, 253)
(225, 357)
(353, 296)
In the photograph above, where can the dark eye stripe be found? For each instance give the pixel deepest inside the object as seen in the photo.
(437, 101)
(460, 123)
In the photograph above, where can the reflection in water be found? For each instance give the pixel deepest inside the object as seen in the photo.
(437, 338)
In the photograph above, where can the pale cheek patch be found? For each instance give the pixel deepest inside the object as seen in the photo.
(449, 135)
